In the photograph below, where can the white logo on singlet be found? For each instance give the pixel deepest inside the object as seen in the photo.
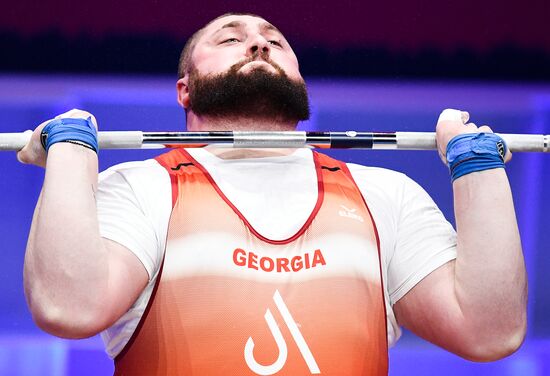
(280, 341)
(350, 213)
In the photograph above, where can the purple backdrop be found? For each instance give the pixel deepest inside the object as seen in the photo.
(398, 24)
(148, 103)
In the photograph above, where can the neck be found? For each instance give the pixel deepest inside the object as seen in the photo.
(231, 153)
(203, 123)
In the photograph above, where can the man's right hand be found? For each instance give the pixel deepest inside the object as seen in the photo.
(76, 282)
(33, 152)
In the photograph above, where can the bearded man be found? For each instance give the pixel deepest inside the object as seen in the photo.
(268, 261)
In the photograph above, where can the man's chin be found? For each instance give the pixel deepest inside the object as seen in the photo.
(252, 90)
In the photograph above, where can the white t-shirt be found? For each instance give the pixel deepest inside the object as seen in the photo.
(135, 201)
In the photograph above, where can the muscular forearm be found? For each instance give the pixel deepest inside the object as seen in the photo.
(65, 263)
(490, 279)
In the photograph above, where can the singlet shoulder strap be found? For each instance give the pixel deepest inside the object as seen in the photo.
(177, 163)
(331, 164)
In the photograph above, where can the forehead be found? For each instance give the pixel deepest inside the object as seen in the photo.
(237, 21)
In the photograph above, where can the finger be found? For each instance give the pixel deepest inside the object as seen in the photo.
(450, 114)
(94, 121)
(22, 156)
(33, 152)
(27, 155)
(448, 120)
(74, 113)
(508, 156)
(464, 116)
(485, 129)
(37, 133)
(78, 114)
(441, 155)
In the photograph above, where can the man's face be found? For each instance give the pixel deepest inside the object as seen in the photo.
(242, 67)
(234, 39)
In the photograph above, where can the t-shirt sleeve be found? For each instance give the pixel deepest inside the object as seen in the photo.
(415, 237)
(130, 215)
(424, 241)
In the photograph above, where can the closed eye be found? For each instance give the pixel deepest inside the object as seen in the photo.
(275, 43)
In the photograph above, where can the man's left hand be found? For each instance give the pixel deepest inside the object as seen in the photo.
(451, 123)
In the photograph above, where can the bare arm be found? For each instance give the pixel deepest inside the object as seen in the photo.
(76, 283)
(474, 306)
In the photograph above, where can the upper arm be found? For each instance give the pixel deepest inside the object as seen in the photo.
(134, 205)
(423, 241)
(430, 310)
(473, 306)
(127, 279)
(416, 241)
(421, 271)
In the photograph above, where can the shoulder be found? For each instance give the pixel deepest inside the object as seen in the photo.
(146, 182)
(147, 174)
(381, 183)
(389, 181)
(376, 174)
(133, 168)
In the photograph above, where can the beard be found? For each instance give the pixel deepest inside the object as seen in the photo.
(257, 94)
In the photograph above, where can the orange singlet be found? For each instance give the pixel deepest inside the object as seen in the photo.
(229, 301)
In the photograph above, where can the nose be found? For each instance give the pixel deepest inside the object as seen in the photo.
(258, 45)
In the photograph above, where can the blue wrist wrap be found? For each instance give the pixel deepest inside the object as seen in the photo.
(471, 152)
(73, 130)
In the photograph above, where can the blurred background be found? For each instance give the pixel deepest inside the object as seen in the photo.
(369, 66)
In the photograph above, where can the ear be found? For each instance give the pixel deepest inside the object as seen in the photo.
(182, 87)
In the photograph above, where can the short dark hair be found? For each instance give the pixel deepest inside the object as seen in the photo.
(185, 63)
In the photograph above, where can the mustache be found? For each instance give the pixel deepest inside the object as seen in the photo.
(263, 57)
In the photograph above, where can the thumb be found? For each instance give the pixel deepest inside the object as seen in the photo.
(450, 114)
